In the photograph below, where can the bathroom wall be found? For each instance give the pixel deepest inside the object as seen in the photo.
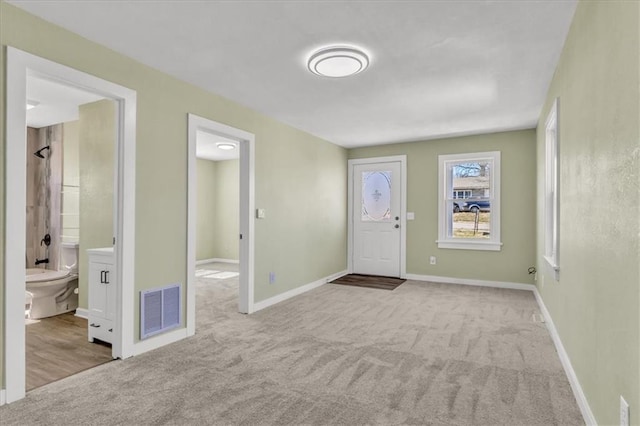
(97, 136)
(44, 177)
(70, 183)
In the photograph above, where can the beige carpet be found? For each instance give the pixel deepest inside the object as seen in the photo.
(428, 354)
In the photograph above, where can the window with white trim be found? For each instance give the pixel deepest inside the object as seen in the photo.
(551, 206)
(470, 222)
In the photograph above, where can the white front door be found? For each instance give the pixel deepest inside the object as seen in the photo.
(376, 218)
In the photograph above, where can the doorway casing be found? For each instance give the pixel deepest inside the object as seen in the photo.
(246, 142)
(20, 66)
(402, 159)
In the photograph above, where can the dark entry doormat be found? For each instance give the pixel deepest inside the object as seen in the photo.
(369, 281)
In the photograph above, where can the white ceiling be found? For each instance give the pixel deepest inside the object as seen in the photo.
(56, 103)
(438, 68)
(207, 149)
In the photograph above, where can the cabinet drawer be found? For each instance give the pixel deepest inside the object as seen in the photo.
(100, 328)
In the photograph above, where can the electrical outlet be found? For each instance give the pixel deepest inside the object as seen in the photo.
(624, 412)
(272, 277)
(432, 260)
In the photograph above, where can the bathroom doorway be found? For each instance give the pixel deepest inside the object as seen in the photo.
(218, 231)
(22, 66)
(72, 134)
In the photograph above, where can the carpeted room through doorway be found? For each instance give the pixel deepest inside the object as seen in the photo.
(424, 353)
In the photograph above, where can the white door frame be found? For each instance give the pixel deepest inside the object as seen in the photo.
(246, 142)
(20, 65)
(402, 159)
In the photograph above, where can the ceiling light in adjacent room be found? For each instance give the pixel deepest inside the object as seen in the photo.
(32, 104)
(337, 61)
(226, 146)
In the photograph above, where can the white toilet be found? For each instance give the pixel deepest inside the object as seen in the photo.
(54, 292)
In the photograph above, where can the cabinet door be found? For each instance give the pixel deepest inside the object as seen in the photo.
(98, 290)
(110, 311)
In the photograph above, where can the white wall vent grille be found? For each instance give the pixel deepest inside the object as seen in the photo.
(160, 310)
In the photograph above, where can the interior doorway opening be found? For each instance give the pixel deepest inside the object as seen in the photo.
(72, 134)
(231, 232)
(20, 67)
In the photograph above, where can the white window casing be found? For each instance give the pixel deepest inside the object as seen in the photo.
(551, 204)
(446, 239)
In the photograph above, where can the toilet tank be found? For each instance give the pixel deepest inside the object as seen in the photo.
(69, 257)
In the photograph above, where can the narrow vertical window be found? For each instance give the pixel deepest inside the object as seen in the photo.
(551, 207)
(469, 201)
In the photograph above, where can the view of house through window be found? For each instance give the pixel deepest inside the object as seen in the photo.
(471, 199)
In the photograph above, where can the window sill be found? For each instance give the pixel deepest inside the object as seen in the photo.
(469, 245)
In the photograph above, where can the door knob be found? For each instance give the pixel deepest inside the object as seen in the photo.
(397, 217)
(397, 226)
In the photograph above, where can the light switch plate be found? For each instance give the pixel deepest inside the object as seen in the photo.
(411, 215)
(261, 213)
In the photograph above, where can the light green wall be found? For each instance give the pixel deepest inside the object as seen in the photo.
(227, 209)
(97, 133)
(595, 305)
(205, 217)
(303, 191)
(517, 201)
(218, 209)
(301, 241)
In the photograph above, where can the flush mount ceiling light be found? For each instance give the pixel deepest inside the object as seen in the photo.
(227, 146)
(338, 61)
(32, 104)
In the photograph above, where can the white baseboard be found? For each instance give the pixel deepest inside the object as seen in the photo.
(3, 396)
(216, 259)
(159, 341)
(465, 281)
(296, 291)
(587, 414)
(82, 313)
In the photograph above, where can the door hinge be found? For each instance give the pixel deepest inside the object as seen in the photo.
(240, 236)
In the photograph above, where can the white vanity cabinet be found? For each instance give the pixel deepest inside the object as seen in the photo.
(102, 294)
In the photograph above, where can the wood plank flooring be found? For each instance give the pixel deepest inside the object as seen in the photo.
(369, 281)
(57, 347)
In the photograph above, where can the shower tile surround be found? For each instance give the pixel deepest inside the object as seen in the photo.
(43, 208)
